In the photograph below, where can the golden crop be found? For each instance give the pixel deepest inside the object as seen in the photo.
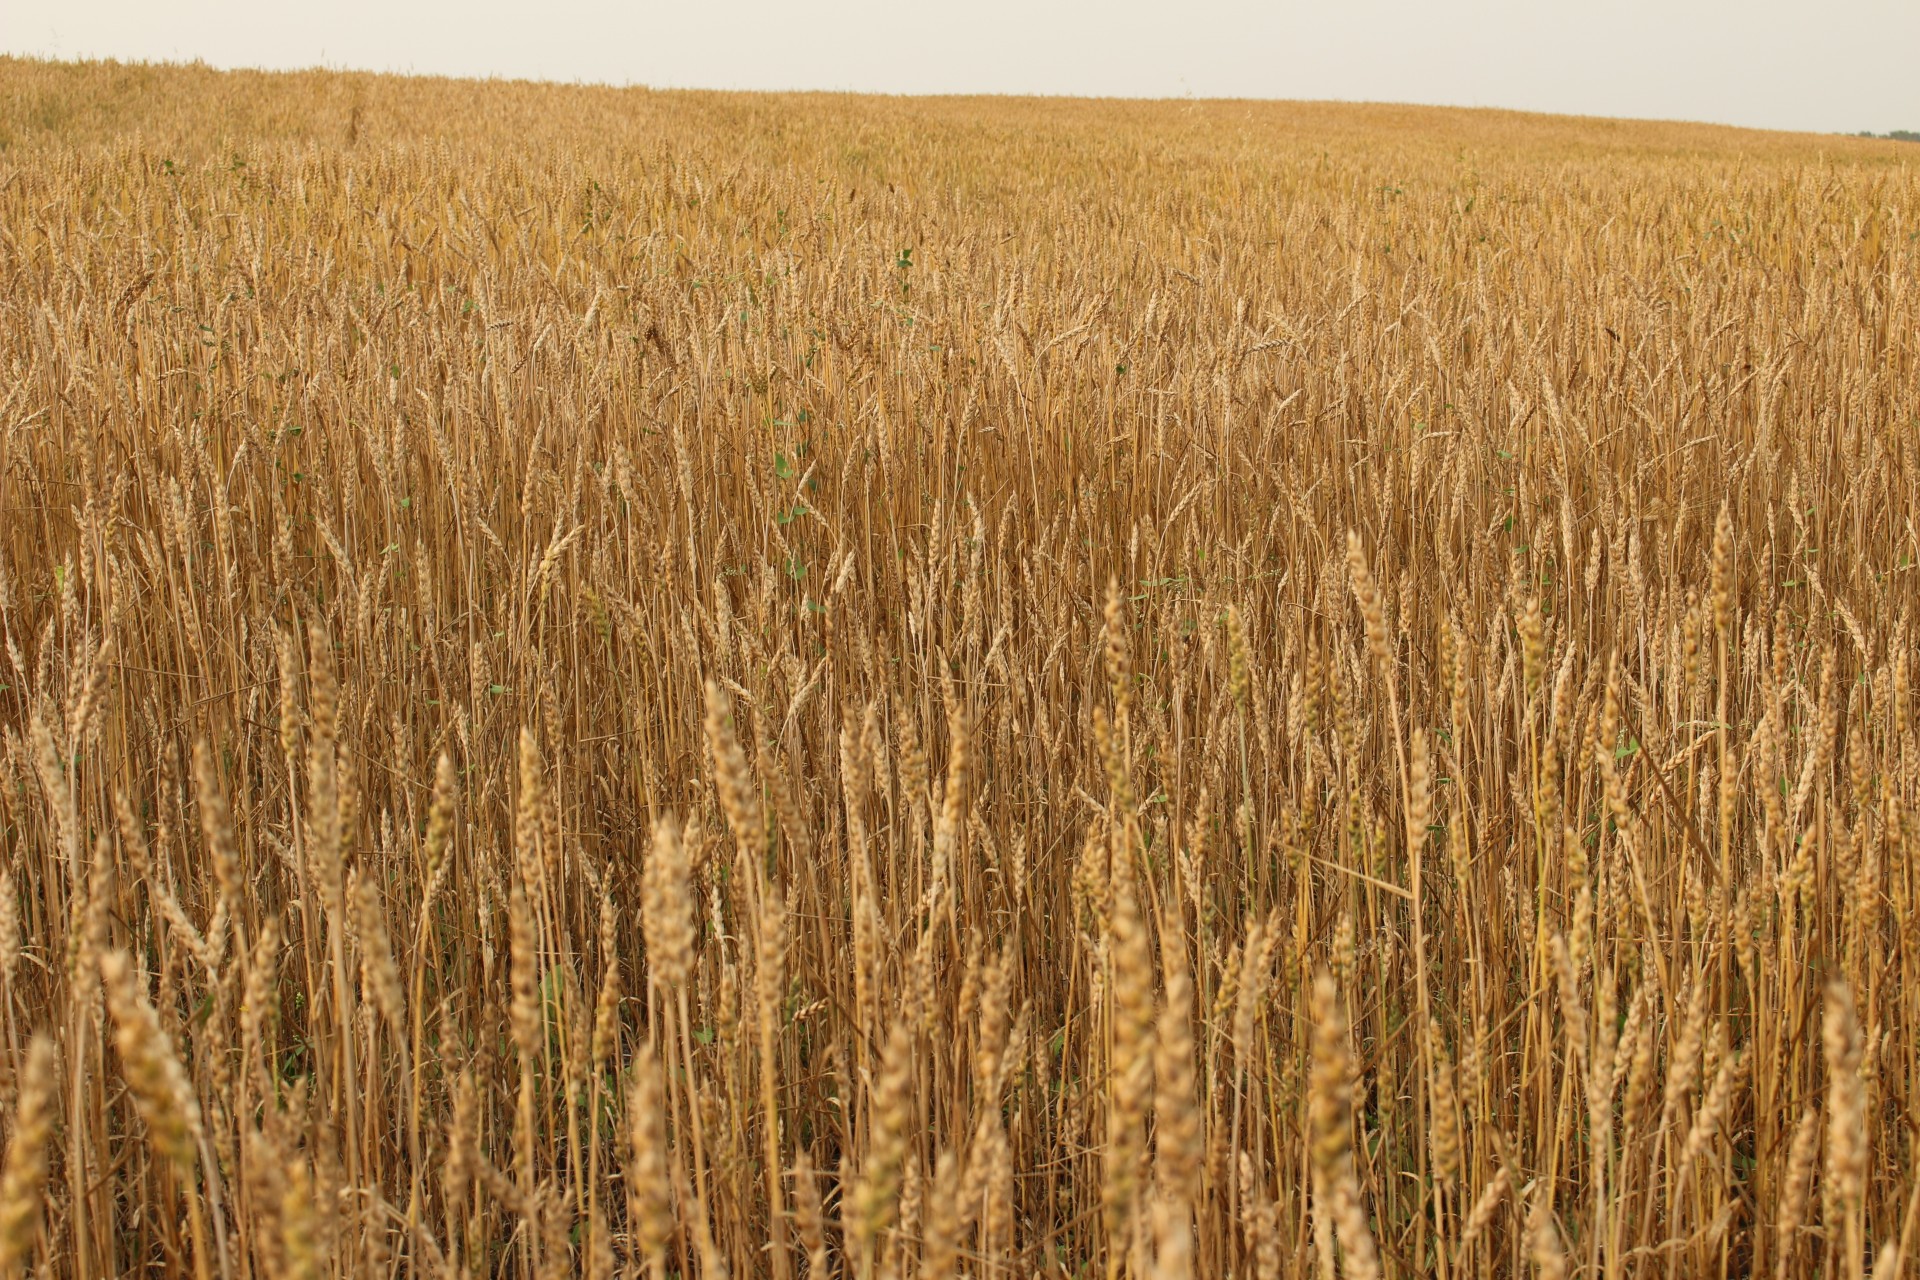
(622, 683)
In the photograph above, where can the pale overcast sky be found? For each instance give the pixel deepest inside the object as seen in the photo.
(1840, 65)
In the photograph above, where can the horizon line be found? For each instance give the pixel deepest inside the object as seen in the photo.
(508, 78)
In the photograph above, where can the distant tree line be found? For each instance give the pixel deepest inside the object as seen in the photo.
(1898, 135)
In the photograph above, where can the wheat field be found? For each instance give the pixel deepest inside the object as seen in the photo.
(615, 683)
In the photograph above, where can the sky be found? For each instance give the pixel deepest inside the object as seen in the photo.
(1837, 66)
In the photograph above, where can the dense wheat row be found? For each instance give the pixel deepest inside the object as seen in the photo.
(675, 685)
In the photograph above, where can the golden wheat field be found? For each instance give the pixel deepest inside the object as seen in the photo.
(615, 683)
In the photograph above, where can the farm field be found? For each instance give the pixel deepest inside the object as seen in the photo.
(626, 683)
